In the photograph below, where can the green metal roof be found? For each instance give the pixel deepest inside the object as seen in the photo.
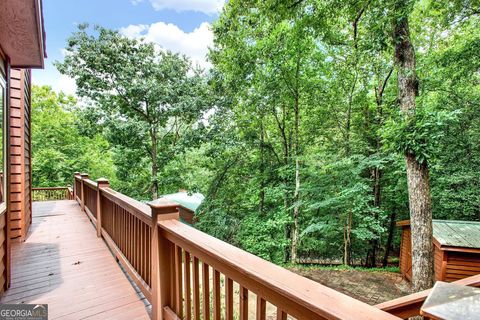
(457, 233)
(190, 201)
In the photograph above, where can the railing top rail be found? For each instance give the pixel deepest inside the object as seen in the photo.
(92, 184)
(297, 295)
(141, 210)
(409, 306)
(50, 188)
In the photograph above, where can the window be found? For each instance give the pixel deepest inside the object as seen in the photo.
(3, 105)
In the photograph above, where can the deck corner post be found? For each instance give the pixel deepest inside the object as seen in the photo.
(162, 259)
(102, 183)
(83, 176)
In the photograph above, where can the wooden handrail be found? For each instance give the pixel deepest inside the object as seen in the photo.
(154, 247)
(51, 193)
(138, 209)
(92, 184)
(298, 296)
(409, 306)
(49, 188)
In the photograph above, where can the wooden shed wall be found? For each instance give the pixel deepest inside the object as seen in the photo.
(19, 206)
(448, 265)
(406, 253)
(461, 265)
(438, 262)
(186, 215)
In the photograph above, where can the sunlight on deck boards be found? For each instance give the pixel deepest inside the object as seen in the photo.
(64, 264)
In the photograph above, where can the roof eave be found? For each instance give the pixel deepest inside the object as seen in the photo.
(23, 36)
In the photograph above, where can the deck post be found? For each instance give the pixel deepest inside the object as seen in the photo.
(162, 259)
(101, 184)
(83, 176)
(75, 191)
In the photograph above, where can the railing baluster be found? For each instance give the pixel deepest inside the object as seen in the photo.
(261, 308)
(178, 282)
(196, 289)
(188, 297)
(173, 278)
(228, 298)
(243, 303)
(216, 296)
(206, 291)
(281, 315)
(129, 236)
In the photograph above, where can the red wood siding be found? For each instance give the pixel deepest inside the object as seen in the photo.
(461, 265)
(437, 262)
(448, 265)
(19, 191)
(4, 260)
(5, 251)
(187, 215)
(406, 253)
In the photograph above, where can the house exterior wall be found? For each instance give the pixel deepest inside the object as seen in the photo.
(4, 242)
(15, 210)
(21, 46)
(18, 167)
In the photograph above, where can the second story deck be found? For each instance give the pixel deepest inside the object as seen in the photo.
(107, 256)
(64, 264)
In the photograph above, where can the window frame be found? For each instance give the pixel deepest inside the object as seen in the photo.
(3, 105)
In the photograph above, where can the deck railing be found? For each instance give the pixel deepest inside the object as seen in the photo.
(52, 193)
(409, 306)
(187, 274)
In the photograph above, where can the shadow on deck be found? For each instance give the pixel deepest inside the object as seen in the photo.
(64, 264)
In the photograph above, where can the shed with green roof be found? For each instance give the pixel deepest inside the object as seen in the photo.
(188, 203)
(456, 249)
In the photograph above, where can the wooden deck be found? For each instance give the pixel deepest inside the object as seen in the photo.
(64, 264)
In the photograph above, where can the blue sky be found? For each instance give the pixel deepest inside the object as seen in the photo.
(179, 25)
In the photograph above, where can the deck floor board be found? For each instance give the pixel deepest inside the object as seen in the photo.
(64, 264)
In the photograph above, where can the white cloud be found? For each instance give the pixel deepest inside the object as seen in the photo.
(193, 44)
(65, 84)
(205, 6)
(51, 77)
(133, 30)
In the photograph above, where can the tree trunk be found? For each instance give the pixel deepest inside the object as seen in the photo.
(286, 204)
(347, 227)
(347, 230)
(261, 195)
(417, 172)
(296, 150)
(371, 260)
(154, 187)
(388, 245)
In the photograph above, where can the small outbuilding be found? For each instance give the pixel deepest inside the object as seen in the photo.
(189, 202)
(456, 249)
